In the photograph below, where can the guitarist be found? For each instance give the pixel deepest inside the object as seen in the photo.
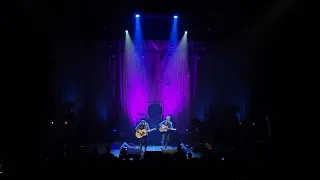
(144, 140)
(166, 135)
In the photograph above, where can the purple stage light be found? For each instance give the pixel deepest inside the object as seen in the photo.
(154, 80)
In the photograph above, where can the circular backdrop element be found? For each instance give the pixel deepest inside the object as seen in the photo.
(154, 110)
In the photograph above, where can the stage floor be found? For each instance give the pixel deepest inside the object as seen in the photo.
(115, 148)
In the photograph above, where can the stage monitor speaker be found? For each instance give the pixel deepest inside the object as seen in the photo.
(128, 145)
(134, 151)
(172, 151)
(119, 145)
(131, 149)
(116, 145)
(169, 151)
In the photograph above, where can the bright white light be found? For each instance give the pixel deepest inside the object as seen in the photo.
(186, 32)
(126, 31)
(176, 17)
(137, 15)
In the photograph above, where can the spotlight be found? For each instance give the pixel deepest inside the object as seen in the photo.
(137, 15)
(126, 31)
(186, 32)
(176, 17)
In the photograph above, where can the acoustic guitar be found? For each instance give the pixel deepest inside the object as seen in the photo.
(164, 128)
(140, 133)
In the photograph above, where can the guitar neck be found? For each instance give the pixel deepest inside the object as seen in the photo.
(151, 129)
(165, 130)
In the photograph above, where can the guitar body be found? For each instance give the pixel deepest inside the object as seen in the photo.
(164, 128)
(140, 133)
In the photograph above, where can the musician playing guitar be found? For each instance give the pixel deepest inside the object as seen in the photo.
(165, 128)
(143, 125)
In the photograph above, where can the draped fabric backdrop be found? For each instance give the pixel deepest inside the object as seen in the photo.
(105, 85)
(155, 75)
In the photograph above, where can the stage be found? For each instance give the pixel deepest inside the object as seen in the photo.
(116, 146)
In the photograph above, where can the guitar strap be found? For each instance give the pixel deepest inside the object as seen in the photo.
(168, 124)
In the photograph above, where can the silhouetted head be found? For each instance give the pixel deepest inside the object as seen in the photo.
(143, 122)
(189, 155)
(108, 148)
(168, 118)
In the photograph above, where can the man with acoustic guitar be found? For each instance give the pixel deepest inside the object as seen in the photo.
(143, 127)
(165, 128)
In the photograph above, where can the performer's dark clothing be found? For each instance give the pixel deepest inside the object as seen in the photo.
(144, 139)
(165, 137)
